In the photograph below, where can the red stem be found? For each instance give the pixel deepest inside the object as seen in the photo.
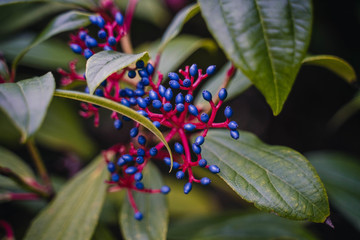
(8, 230)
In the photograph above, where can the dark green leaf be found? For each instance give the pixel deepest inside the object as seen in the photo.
(254, 226)
(102, 233)
(152, 206)
(177, 23)
(62, 23)
(105, 63)
(340, 173)
(266, 40)
(274, 178)
(335, 64)
(4, 70)
(14, 163)
(26, 102)
(62, 130)
(74, 213)
(114, 106)
(237, 85)
(82, 3)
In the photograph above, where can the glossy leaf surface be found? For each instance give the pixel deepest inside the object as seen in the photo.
(274, 178)
(105, 63)
(340, 173)
(152, 206)
(74, 213)
(266, 39)
(81, 3)
(26, 102)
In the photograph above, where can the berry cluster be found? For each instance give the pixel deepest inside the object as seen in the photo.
(169, 105)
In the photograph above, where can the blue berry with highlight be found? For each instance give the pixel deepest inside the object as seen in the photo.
(205, 181)
(121, 162)
(180, 107)
(174, 84)
(207, 95)
(214, 169)
(117, 124)
(140, 160)
(139, 185)
(222, 94)
(134, 132)
(189, 98)
(179, 98)
(228, 112)
(138, 176)
(204, 117)
(138, 216)
(173, 76)
(211, 69)
(111, 167)
(102, 34)
(131, 170)
(179, 148)
(193, 70)
(189, 127)
(180, 175)
(202, 163)
(153, 151)
(141, 140)
(115, 177)
(232, 125)
(119, 18)
(196, 148)
(127, 157)
(76, 48)
(167, 107)
(234, 134)
(165, 189)
(187, 187)
(157, 104)
(199, 140)
(186, 83)
(193, 110)
(168, 94)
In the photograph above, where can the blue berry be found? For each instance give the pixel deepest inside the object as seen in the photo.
(134, 132)
(167, 161)
(173, 76)
(143, 73)
(142, 112)
(112, 41)
(234, 134)
(174, 84)
(131, 170)
(131, 74)
(76, 48)
(196, 148)
(167, 107)
(207, 95)
(122, 93)
(180, 107)
(187, 187)
(153, 95)
(138, 216)
(153, 151)
(125, 118)
(99, 92)
(232, 125)
(87, 53)
(157, 104)
(93, 19)
(193, 110)
(179, 98)
(204, 117)
(90, 42)
(132, 101)
(141, 140)
(127, 157)
(205, 181)
(211, 69)
(186, 83)
(117, 124)
(162, 90)
(222, 94)
(199, 140)
(111, 167)
(140, 160)
(100, 22)
(188, 98)
(228, 112)
(139, 92)
(150, 68)
(87, 90)
(107, 48)
(140, 152)
(82, 35)
(121, 162)
(125, 102)
(157, 124)
(103, 83)
(176, 165)
(180, 175)
(129, 92)
(165, 189)
(115, 177)
(179, 148)
(139, 185)
(214, 169)
(119, 18)
(193, 70)
(202, 162)
(141, 102)
(145, 81)
(102, 34)
(138, 176)
(140, 64)
(189, 127)
(168, 94)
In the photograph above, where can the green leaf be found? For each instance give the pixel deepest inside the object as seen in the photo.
(238, 84)
(74, 213)
(335, 64)
(254, 226)
(266, 40)
(103, 64)
(62, 23)
(152, 206)
(182, 47)
(274, 178)
(14, 163)
(177, 23)
(82, 3)
(62, 130)
(114, 106)
(26, 102)
(340, 173)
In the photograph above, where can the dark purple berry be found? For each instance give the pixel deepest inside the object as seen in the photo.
(186, 83)
(153, 151)
(232, 125)
(189, 127)
(193, 110)
(234, 134)
(76, 48)
(228, 112)
(167, 107)
(117, 124)
(103, 83)
(157, 104)
(140, 160)
(188, 98)
(179, 98)
(131, 74)
(199, 140)
(168, 94)
(180, 175)
(99, 92)
(211, 69)
(119, 18)
(87, 53)
(202, 162)
(140, 64)
(205, 181)
(102, 34)
(131, 170)
(165, 189)
(179, 148)
(115, 177)
(111, 167)
(138, 176)
(222, 94)
(125, 118)
(180, 107)
(141, 140)
(214, 169)
(196, 148)
(204, 117)
(187, 187)
(207, 95)
(173, 76)
(122, 92)
(127, 157)
(193, 70)
(174, 84)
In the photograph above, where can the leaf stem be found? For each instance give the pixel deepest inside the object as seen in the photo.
(8, 230)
